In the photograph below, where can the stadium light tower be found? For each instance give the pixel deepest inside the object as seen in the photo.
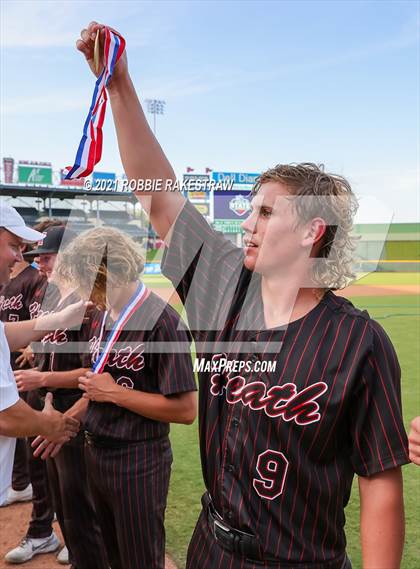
(155, 107)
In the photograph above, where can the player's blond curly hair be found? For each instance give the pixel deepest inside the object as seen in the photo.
(308, 179)
(104, 257)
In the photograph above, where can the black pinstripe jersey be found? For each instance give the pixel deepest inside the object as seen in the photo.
(152, 355)
(60, 349)
(16, 299)
(287, 415)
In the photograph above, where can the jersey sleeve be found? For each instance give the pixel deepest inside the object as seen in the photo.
(379, 440)
(8, 390)
(203, 266)
(172, 365)
(33, 285)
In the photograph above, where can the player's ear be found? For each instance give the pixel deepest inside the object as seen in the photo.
(313, 231)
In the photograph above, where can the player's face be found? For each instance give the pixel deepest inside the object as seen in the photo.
(10, 254)
(274, 241)
(46, 263)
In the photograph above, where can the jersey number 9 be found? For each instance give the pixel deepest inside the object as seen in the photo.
(272, 469)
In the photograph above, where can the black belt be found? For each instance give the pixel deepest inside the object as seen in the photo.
(231, 539)
(246, 544)
(106, 442)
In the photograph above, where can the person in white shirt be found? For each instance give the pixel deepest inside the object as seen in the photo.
(17, 419)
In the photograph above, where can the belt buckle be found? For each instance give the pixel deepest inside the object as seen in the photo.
(226, 538)
(219, 525)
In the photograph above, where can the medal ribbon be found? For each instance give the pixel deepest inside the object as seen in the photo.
(129, 309)
(90, 148)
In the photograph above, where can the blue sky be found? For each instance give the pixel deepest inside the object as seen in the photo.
(247, 85)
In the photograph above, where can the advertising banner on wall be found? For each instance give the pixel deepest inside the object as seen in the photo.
(39, 173)
(196, 187)
(103, 176)
(104, 181)
(227, 225)
(235, 177)
(231, 205)
(8, 165)
(203, 208)
(79, 182)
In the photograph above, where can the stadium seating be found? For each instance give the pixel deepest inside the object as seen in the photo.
(62, 213)
(29, 214)
(112, 216)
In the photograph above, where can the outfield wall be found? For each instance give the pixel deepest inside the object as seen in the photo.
(389, 248)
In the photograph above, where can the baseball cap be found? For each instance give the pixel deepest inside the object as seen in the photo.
(11, 220)
(52, 241)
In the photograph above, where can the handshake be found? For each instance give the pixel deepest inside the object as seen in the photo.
(58, 429)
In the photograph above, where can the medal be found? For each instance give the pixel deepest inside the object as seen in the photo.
(96, 53)
(90, 148)
(129, 309)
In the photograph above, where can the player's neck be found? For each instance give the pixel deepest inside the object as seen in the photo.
(120, 297)
(285, 300)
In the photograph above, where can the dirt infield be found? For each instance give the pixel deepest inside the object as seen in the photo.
(13, 525)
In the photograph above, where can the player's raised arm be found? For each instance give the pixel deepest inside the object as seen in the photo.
(141, 154)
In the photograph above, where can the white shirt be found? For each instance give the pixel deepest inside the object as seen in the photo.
(8, 397)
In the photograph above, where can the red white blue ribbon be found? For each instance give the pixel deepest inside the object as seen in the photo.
(129, 309)
(90, 148)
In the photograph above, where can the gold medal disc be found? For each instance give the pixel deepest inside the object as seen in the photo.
(96, 53)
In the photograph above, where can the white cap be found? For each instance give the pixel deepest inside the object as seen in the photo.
(13, 222)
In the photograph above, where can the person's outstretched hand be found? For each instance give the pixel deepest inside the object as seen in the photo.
(86, 44)
(59, 428)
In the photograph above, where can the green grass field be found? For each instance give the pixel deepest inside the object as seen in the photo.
(399, 315)
(376, 279)
(389, 279)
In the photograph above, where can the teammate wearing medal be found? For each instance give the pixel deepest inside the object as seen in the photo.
(280, 446)
(141, 386)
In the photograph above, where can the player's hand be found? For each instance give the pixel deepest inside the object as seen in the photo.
(59, 428)
(99, 387)
(27, 357)
(45, 448)
(86, 44)
(414, 441)
(72, 316)
(29, 379)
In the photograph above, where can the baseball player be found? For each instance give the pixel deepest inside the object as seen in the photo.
(299, 390)
(23, 298)
(29, 479)
(137, 391)
(17, 419)
(58, 366)
(15, 298)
